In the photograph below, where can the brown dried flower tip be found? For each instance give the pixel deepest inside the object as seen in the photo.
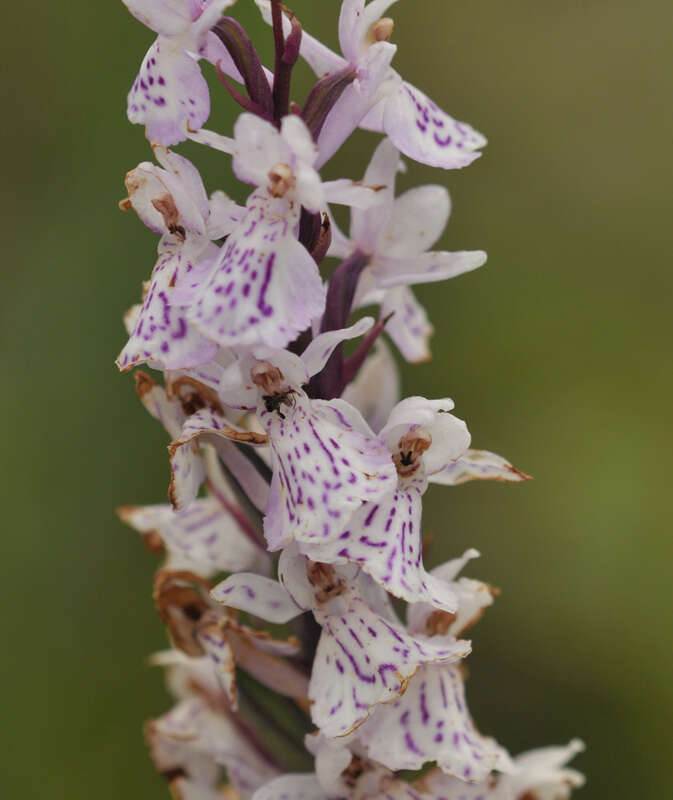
(180, 599)
(193, 395)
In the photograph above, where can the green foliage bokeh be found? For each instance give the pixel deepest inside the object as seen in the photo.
(557, 353)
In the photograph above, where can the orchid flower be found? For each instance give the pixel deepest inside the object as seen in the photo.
(395, 238)
(170, 95)
(379, 99)
(171, 200)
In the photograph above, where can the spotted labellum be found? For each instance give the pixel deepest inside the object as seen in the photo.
(312, 652)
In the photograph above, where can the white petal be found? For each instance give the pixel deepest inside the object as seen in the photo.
(326, 467)
(367, 227)
(351, 32)
(186, 173)
(321, 348)
(542, 773)
(425, 267)
(384, 538)
(430, 722)
(409, 327)
(362, 661)
(223, 215)
(257, 595)
(169, 95)
(418, 219)
(356, 100)
(258, 147)
(162, 335)
(374, 11)
(253, 294)
(204, 539)
(422, 131)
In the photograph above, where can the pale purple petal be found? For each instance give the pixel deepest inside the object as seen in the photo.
(431, 722)
(321, 348)
(326, 467)
(204, 539)
(257, 595)
(409, 327)
(357, 99)
(362, 661)
(162, 333)
(169, 94)
(422, 131)
(351, 30)
(384, 538)
(265, 288)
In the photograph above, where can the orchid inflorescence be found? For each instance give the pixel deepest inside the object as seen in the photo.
(291, 458)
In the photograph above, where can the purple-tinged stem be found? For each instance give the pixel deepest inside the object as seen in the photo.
(340, 294)
(286, 56)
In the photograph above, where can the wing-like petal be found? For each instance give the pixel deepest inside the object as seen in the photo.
(169, 94)
(478, 465)
(363, 660)
(384, 538)
(326, 466)
(422, 131)
(257, 595)
(431, 722)
(204, 539)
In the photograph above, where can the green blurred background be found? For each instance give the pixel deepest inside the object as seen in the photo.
(557, 354)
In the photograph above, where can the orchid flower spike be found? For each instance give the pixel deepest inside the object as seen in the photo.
(293, 584)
